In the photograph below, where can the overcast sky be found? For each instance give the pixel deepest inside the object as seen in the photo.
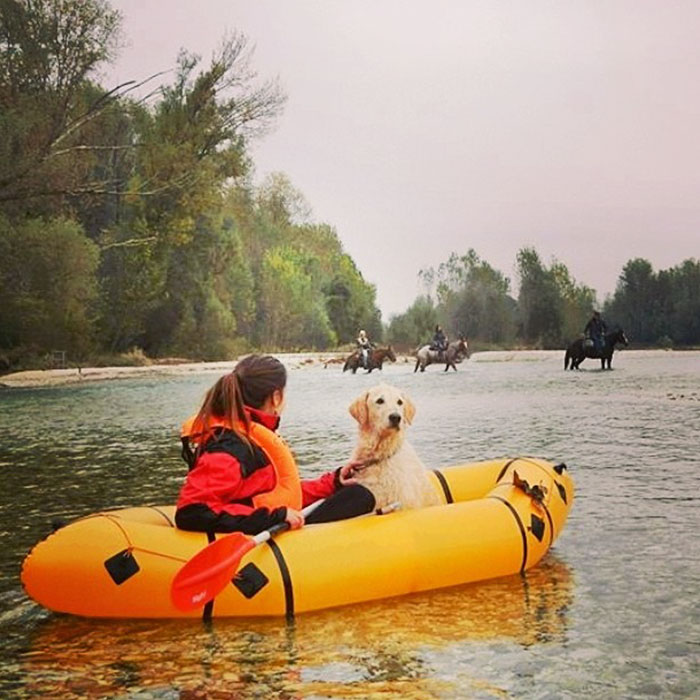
(419, 128)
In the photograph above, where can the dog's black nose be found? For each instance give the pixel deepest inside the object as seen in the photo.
(394, 418)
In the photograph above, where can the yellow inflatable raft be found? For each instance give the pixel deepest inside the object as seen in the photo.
(499, 518)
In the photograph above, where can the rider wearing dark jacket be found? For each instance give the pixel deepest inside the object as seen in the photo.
(595, 330)
(439, 340)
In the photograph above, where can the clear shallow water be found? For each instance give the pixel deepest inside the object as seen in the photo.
(611, 612)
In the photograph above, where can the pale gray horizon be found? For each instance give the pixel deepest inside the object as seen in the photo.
(418, 129)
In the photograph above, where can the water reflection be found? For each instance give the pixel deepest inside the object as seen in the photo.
(368, 649)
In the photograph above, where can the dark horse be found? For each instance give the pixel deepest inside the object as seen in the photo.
(578, 351)
(456, 351)
(375, 360)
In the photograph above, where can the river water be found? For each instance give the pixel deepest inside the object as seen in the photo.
(612, 611)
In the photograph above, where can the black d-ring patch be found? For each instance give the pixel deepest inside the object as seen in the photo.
(249, 580)
(122, 566)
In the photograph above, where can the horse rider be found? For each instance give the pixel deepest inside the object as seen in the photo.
(595, 332)
(439, 342)
(365, 345)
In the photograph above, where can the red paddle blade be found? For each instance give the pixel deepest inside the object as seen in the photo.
(209, 571)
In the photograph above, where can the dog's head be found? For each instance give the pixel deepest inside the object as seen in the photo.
(383, 410)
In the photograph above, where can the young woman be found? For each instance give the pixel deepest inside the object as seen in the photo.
(242, 475)
(365, 346)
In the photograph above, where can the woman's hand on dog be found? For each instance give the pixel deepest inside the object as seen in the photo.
(346, 474)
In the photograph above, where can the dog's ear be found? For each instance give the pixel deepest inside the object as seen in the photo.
(409, 410)
(358, 409)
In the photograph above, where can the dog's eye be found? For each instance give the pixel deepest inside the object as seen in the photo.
(400, 402)
(380, 400)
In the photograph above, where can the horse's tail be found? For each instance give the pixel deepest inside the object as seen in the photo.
(347, 364)
(567, 357)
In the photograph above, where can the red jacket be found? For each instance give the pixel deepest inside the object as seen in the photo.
(226, 474)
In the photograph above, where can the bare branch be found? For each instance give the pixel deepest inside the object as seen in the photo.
(130, 243)
(102, 188)
(72, 149)
(100, 105)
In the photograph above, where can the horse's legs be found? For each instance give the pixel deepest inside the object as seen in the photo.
(415, 369)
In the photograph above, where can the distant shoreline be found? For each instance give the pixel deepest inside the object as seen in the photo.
(293, 361)
(79, 375)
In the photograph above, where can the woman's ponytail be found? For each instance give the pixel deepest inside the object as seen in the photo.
(254, 379)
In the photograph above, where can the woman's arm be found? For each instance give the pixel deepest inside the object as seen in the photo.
(314, 489)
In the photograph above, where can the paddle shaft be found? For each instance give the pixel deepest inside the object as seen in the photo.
(233, 560)
(265, 535)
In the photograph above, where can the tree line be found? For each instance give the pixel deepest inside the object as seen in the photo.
(130, 219)
(134, 222)
(468, 296)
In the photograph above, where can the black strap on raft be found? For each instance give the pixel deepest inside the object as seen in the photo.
(286, 580)
(551, 524)
(208, 611)
(445, 486)
(505, 468)
(165, 515)
(559, 468)
(521, 527)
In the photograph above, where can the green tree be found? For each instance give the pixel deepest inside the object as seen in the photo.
(540, 302)
(290, 313)
(48, 50)
(168, 263)
(474, 299)
(658, 307)
(578, 301)
(186, 253)
(132, 277)
(47, 286)
(415, 326)
(350, 302)
(633, 303)
(685, 315)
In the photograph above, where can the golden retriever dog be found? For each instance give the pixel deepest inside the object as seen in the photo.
(391, 469)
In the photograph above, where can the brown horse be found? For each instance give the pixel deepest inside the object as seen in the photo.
(375, 360)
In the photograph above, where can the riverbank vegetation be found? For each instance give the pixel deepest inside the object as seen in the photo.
(467, 296)
(132, 227)
(135, 222)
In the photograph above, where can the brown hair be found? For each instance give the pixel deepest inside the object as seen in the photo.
(252, 381)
